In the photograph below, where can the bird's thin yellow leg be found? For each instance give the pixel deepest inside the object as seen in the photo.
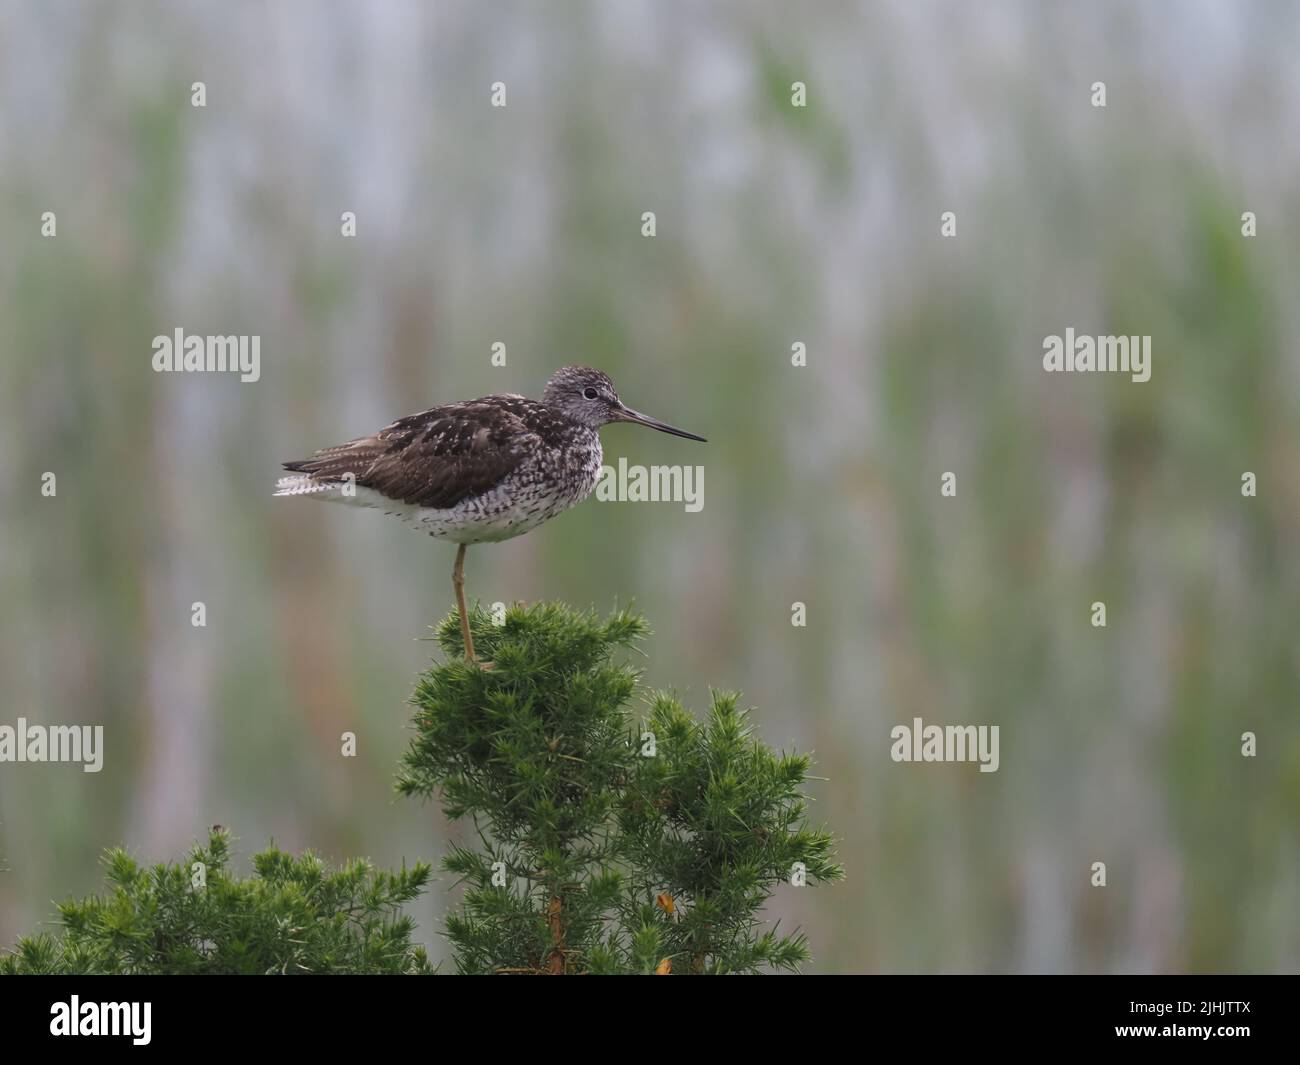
(458, 582)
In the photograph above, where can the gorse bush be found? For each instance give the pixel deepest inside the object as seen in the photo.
(607, 842)
(716, 820)
(292, 916)
(607, 845)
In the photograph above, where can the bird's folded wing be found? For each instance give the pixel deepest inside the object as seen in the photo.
(437, 458)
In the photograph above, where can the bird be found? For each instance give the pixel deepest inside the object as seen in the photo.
(479, 471)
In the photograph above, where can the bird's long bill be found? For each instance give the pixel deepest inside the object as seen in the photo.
(627, 414)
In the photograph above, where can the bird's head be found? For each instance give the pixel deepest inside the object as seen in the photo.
(588, 396)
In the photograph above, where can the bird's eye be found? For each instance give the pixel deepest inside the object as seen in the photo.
(589, 393)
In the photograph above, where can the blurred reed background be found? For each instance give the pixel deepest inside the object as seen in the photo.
(775, 225)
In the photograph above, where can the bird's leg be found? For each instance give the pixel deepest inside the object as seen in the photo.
(458, 582)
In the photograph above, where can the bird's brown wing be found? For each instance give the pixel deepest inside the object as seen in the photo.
(436, 458)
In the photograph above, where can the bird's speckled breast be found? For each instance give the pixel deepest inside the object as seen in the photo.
(545, 484)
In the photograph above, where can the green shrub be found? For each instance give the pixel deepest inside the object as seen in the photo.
(292, 916)
(606, 848)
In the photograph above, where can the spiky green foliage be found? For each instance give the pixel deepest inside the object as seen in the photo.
(716, 820)
(536, 750)
(608, 845)
(292, 916)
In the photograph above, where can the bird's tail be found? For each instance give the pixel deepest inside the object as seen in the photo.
(321, 473)
(328, 469)
(302, 484)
